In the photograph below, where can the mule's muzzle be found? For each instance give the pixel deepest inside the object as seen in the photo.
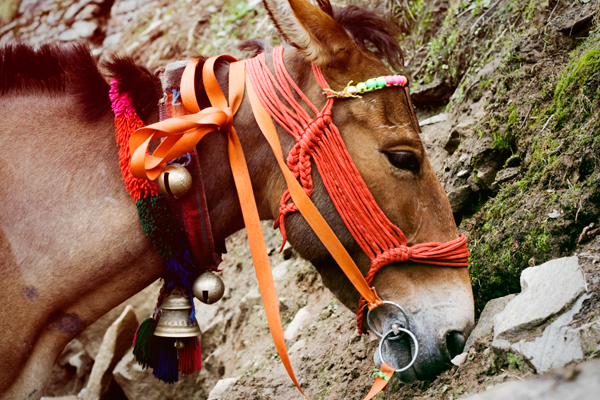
(414, 350)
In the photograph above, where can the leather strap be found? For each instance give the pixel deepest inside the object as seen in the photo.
(381, 383)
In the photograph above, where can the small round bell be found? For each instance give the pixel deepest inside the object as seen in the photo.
(174, 319)
(179, 344)
(175, 181)
(208, 288)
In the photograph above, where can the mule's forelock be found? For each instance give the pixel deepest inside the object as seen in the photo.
(55, 68)
(372, 31)
(143, 86)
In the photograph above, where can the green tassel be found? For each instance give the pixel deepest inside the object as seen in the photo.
(142, 343)
(160, 226)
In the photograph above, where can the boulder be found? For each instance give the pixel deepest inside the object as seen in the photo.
(29, 7)
(116, 342)
(300, 321)
(140, 384)
(546, 291)
(143, 304)
(434, 120)
(458, 197)
(537, 323)
(579, 382)
(221, 387)
(69, 371)
(505, 175)
(486, 176)
(485, 325)
(559, 344)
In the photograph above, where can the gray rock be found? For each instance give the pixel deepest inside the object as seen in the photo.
(458, 197)
(54, 16)
(457, 135)
(116, 342)
(580, 382)
(297, 346)
(472, 182)
(459, 359)
(554, 214)
(558, 346)
(143, 303)
(298, 323)
(82, 363)
(221, 387)
(434, 120)
(88, 12)
(505, 175)
(84, 29)
(281, 270)
(546, 291)
(485, 325)
(74, 9)
(31, 6)
(123, 7)
(486, 176)
(462, 173)
(576, 20)
(112, 40)
(140, 384)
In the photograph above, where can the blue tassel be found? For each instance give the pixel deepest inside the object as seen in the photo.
(182, 273)
(167, 364)
(181, 269)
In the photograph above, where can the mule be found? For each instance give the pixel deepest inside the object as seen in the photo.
(71, 244)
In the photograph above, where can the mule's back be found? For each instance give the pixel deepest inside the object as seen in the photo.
(69, 234)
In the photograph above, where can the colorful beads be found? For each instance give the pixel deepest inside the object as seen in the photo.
(368, 86)
(377, 83)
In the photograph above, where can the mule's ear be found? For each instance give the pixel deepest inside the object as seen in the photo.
(310, 29)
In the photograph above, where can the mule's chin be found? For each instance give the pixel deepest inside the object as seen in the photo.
(399, 354)
(433, 356)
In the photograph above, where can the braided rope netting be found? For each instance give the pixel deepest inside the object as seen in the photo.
(317, 138)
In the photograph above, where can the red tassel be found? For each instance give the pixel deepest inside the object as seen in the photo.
(190, 357)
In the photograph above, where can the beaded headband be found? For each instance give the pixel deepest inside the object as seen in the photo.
(368, 86)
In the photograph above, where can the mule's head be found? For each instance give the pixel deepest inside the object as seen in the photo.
(383, 141)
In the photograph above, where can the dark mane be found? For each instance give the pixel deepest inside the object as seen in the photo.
(372, 32)
(55, 69)
(143, 86)
(71, 68)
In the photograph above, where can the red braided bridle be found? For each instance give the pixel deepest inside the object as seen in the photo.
(318, 138)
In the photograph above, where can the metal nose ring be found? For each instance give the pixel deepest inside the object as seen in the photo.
(400, 328)
(415, 354)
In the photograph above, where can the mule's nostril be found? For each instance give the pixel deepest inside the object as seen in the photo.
(455, 342)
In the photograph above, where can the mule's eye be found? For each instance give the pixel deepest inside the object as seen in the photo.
(404, 160)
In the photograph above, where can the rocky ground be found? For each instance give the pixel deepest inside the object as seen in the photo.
(507, 92)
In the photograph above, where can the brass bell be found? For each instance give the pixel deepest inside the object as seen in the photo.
(175, 318)
(208, 288)
(175, 181)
